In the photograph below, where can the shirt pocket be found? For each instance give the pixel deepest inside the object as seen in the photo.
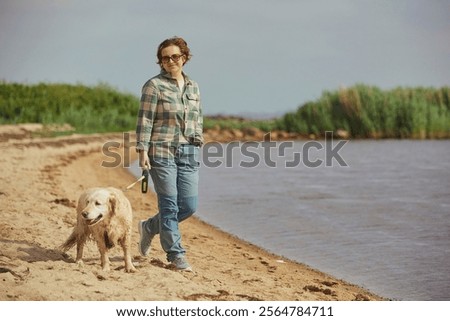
(193, 101)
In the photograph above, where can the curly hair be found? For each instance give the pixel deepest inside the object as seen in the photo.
(174, 41)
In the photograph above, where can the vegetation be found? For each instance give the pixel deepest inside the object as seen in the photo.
(87, 109)
(230, 122)
(362, 111)
(368, 112)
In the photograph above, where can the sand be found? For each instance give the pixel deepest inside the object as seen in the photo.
(41, 179)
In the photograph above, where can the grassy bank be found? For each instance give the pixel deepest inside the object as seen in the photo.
(361, 111)
(88, 109)
(369, 112)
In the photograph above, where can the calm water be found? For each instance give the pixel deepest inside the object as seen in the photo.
(382, 222)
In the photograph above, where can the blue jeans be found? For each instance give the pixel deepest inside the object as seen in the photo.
(176, 185)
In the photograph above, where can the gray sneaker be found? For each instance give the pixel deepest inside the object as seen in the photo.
(181, 264)
(145, 239)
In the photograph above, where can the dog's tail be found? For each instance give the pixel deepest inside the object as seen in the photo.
(70, 242)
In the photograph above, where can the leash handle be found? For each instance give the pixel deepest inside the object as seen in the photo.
(144, 183)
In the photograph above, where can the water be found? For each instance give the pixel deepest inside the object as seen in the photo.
(382, 222)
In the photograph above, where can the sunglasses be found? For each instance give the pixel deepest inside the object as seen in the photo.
(174, 58)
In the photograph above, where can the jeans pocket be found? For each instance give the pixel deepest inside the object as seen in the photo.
(196, 156)
(190, 156)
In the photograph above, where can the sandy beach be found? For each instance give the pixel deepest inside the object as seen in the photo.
(41, 179)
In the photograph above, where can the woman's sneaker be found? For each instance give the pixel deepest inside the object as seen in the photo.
(181, 264)
(145, 239)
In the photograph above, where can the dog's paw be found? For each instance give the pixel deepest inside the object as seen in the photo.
(130, 269)
(80, 264)
(106, 268)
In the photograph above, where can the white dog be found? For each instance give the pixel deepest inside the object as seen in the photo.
(104, 215)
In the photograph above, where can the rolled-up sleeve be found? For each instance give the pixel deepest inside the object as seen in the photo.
(146, 116)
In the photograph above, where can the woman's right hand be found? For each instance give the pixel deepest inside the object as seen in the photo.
(144, 162)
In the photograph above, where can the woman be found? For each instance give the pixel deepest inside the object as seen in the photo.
(169, 135)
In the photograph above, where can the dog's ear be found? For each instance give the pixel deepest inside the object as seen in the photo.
(113, 203)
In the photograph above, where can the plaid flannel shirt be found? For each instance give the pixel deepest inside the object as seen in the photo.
(168, 117)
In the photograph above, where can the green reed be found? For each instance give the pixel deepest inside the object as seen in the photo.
(369, 112)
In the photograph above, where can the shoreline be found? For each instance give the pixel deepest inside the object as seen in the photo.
(41, 181)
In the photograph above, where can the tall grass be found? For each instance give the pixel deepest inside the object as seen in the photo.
(369, 112)
(363, 111)
(89, 109)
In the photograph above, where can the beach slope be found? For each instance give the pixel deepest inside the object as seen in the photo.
(41, 179)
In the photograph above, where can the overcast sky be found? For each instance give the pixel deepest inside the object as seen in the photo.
(260, 56)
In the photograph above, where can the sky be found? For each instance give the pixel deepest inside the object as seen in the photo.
(263, 57)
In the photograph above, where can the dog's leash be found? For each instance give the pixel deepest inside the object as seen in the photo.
(134, 183)
(143, 179)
